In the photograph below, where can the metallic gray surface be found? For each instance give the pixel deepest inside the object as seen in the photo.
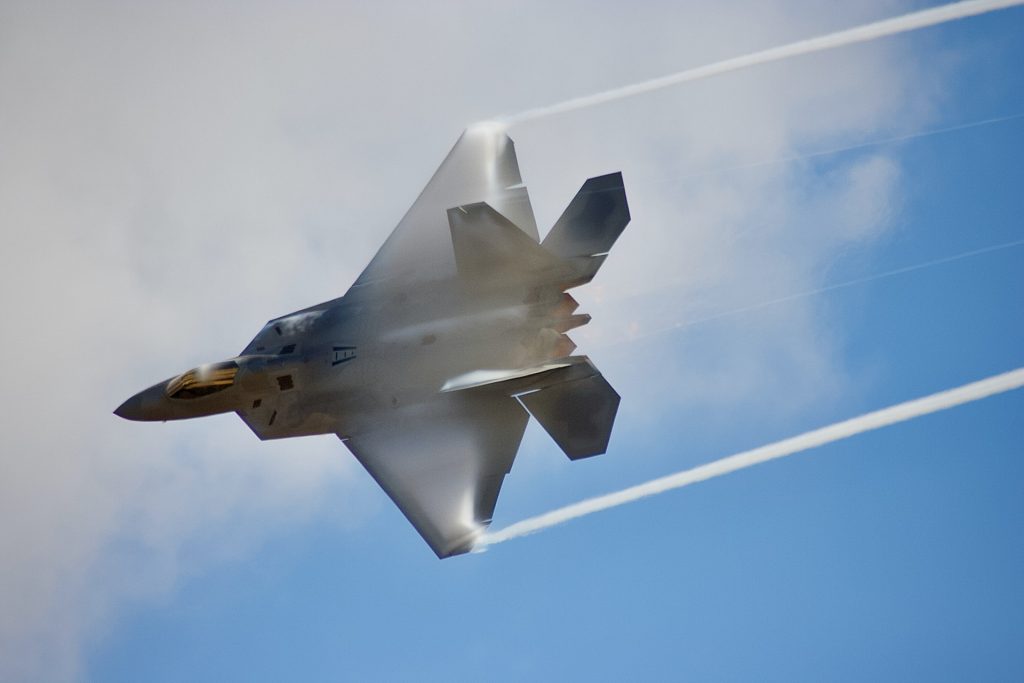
(423, 368)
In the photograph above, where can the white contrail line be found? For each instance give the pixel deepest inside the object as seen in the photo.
(806, 293)
(859, 34)
(878, 142)
(858, 281)
(900, 412)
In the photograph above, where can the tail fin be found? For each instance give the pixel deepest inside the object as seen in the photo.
(592, 222)
(578, 413)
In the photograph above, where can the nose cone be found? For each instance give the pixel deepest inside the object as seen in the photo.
(144, 406)
(131, 409)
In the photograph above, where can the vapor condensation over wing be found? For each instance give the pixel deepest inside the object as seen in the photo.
(859, 34)
(901, 412)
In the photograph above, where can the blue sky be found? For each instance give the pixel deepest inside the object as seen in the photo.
(195, 552)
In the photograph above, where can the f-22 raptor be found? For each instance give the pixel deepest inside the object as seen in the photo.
(430, 365)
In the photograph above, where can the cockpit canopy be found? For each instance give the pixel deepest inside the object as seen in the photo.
(203, 381)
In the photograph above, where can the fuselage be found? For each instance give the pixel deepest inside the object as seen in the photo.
(328, 368)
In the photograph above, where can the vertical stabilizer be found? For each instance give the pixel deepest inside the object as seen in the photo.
(592, 222)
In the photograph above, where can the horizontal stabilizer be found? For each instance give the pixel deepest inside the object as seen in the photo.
(488, 245)
(592, 222)
(577, 414)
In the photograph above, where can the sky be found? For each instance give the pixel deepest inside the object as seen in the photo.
(173, 175)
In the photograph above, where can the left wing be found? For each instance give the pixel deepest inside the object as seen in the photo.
(443, 461)
(481, 167)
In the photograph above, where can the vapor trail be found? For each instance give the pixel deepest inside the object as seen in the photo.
(859, 34)
(900, 412)
(878, 142)
(809, 292)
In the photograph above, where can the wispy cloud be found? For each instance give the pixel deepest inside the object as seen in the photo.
(161, 202)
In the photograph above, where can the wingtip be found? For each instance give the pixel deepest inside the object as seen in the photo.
(488, 127)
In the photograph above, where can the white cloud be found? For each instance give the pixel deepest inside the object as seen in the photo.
(174, 175)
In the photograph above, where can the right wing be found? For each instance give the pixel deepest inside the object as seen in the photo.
(481, 167)
(443, 461)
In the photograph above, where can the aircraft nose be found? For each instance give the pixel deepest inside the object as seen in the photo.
(143, 406)
(131, 409)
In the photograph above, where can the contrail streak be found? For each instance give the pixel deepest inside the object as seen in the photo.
(859, 34)
(809, 292)
(900, 412)
(907, 137)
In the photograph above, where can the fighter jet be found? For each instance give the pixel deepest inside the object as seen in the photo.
(430, 365)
